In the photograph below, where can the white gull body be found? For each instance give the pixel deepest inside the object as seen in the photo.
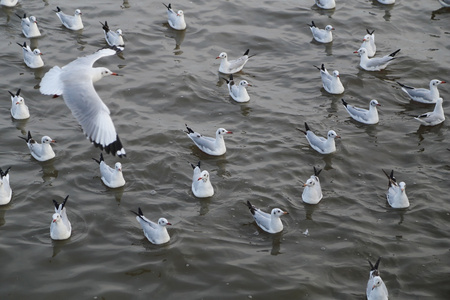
(386, 1)
(5, 188)
(29, 26)
(70, 22)
(209, 145)
(111, 177)
(434, 117)
(32, 58)
(331, 82)
(376, 289)
(60, 227)
(232, 66)
(19, 110)
(445, 3)
(75, 82)
(201, 185)
(270, 223)
(322, 35)
(374, 64)
(113, 38)
(175, 19)
(366, 116)
(238, 92)
(396, 194)
(369, 43)
(43, 151)
(326, 4)
(312, 192)
(156, 233)
(9, 3)
(321, 144)
(423, 95)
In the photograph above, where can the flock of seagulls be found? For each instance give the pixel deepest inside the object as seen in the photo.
(75, 83)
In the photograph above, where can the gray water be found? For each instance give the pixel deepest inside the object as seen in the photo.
(216, 250)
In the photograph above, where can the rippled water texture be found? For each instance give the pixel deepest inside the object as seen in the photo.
(171, 78)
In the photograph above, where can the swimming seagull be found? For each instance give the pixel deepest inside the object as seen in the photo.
(60, 227)
(207, 144)
(322, 35)
(75, 82)
(326, 4)
(396, 194)
(29, 26)
(434, 117)
(369, 43)
(156, 233)
(176, 20)
(70, 22)
(376, 289)
(312, 193)
(9, 3)
(33, 58)
(374, 64)
(238, 92)
(113, 38)
(112, 178)
(5, 188)
(386, 1)
(423, 95)
(201, 185)
(19, 110)
(270, 223)
(232, 66)
(320, 144)
(43, 151)
(362, 115)
(331, 83)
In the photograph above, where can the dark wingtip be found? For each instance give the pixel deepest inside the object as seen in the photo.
(307, 127)
(12, 95)
(395, 52)
(55, 203)
(251, 207)
(370, 32)
(189, 129)
(246, 52)
(377, 263)
(344, 102)
(317, 172)
(195, 166)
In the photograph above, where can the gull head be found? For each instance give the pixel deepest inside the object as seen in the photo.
(366, 38)
(119, 32)
(276, 212)
(100, 72)
(329, 28)
(361, 51)
(336, 73)
(33, 19)
(78, 12)
(118, 167)
(37, 52)
(20, 101)
(180, 13)
(377, 282)
(47, 140)
(436, 82)
(163, 222)
(309, 183)
(222, 131)
(402, 186)
(56, 217)
(244, 83)
(332, 134)
(204, 176)
(374, 103)
(222, 55)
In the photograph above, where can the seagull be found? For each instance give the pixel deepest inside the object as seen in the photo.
(201, 185)
(60, 227)
(396, 194)
(362, 115)
(434, 117)
(232, 66)
(70, 22)
(113, 38)
(156, 233)
(19, 110)
(29, 26)
(320, 144)
(386, 1)
(331, 83)
(33, 58)
(444, 3)
(176, 20)
(209, 145)
(374, 64)
(326, 4)
(423, 95)
(43, 151)
(238, 92)
(376, 289)
(312, 194)
(9, 3)
(5, 188)
(112, 178)
(270, 223)
(322, 35)
(369, 43)
(75, 82)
